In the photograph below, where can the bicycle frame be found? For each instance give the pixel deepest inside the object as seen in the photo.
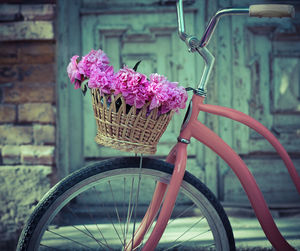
(192, 128)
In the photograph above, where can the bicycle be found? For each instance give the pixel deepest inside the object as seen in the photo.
(122, 184)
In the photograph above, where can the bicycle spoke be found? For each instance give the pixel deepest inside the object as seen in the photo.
(106, 244)
(137, 199)
(187, 230)
(130, 210)
(148, 228)
(67, 238)
(179, 244)
(109, 217)
(49, 247)
(90, 234)
(210, 245)
(116, 209)
(124, 211)
(99, 230)
(181, 214)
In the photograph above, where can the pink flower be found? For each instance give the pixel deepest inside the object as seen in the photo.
(97, 58)
(166, 95)
(102, 79)
(133, 86)
(136, 89)
(74, 73)
(177, 98)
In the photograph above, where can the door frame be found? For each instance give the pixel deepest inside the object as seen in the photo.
(69, 136)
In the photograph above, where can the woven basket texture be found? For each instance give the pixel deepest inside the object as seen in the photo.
(127, 128)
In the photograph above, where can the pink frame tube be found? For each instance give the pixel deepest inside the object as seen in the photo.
(196, 129)
(213, 141)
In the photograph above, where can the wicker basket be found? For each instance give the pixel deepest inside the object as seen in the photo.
(127, 129)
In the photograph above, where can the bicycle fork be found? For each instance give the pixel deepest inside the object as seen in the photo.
(177, 156)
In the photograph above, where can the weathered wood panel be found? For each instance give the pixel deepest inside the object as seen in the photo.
(265, 75)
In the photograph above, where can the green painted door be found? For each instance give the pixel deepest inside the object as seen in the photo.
(256, 72)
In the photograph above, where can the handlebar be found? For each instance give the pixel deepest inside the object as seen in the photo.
(257, 10)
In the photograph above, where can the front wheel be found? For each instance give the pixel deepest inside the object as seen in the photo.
(99, 207)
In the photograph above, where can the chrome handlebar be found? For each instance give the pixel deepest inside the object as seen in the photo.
(194, 44)
(191, 41)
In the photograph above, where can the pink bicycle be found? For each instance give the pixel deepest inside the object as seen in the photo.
(146, 204)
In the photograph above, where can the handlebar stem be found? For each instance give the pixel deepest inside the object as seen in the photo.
(209, 60)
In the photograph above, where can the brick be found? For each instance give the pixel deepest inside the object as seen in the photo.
(36, 112)
(29, 93)
(37, 155)
(9, 9)
(7, 113)
(27, 30)
(8, 53)
(11, 155)
(15, 135)
(27, 73)
(8, 74)
(9, 12)
(27, 52)
(38, 11)
(40, 52)
(44, 134)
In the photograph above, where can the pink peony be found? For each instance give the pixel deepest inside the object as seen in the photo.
(102, 79)
(133, 86)
(177, 98)
(74, 73)
(165, 94)
(97, 58)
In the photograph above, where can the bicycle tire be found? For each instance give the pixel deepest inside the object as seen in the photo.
(70, 190)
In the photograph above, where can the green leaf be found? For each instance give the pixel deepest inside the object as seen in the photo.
(84, 86)
(190, 89)
(136, 65)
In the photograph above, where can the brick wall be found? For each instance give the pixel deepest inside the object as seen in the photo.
(27, 111)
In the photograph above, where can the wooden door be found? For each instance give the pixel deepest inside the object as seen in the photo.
(256, 71)
(262, 80)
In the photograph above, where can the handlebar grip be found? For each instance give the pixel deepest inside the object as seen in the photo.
(271, 10)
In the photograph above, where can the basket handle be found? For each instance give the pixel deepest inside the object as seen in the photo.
(271, 10)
